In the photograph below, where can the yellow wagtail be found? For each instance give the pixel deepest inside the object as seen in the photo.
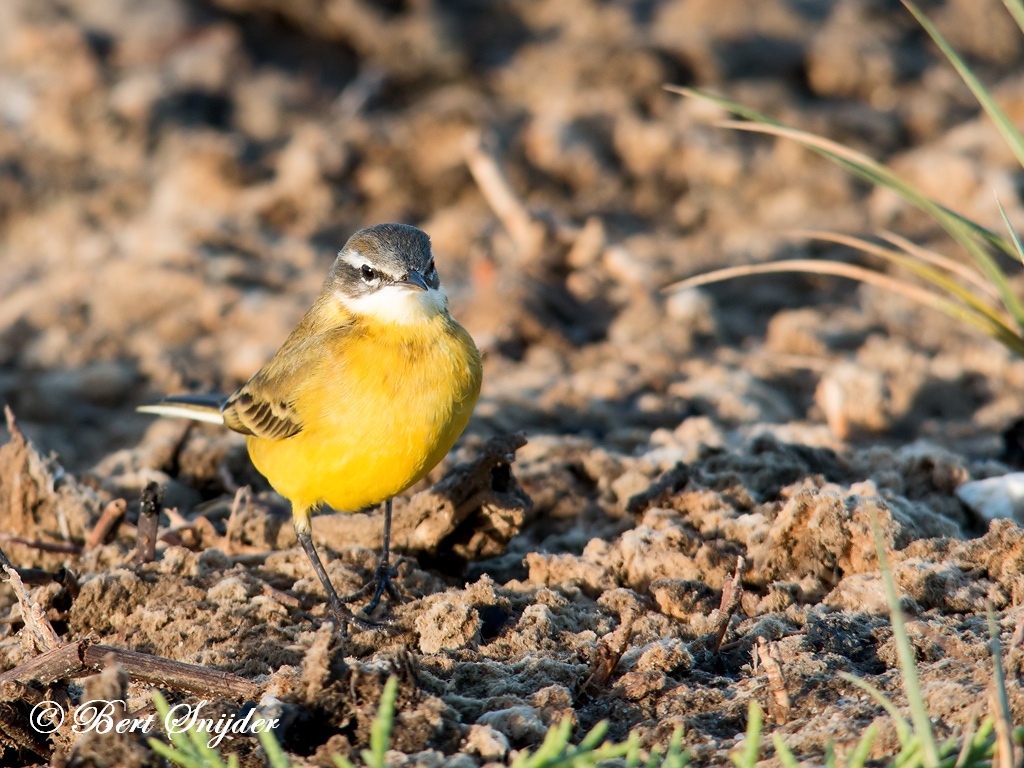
(364, 398)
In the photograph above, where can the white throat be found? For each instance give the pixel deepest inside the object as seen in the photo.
(398, 304)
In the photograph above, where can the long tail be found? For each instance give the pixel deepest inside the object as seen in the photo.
(196, 407)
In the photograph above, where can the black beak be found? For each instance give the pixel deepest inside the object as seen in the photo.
(415, 280)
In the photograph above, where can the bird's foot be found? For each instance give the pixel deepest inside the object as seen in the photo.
(344, 617)
(382, 583)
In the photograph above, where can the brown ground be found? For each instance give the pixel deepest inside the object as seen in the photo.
(175, 177)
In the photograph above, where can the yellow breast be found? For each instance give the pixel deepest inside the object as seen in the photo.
(380, 408)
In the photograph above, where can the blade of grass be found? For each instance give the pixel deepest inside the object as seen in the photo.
(938, 279)
(676, 757)
(1003, 719)
(1017, 246)
(783, 752)
(275, 755)
(380, 731)
(954, 267)
(864, 275)
(877, 174)
(903, 730)
(862, 751)
(1003, 124)
(747, 758)
(1016, 9)
(968, 739)
(908, 665)
(851, 161)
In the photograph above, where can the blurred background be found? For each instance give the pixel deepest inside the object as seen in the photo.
(176, 177)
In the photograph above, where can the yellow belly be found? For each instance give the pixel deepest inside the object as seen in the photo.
(378, 414)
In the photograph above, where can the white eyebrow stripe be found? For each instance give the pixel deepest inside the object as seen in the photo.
(353, 258)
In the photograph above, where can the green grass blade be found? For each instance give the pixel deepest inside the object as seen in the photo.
(879, 175)
(1003, 718)
(676, 757)
(927, 298)
(862, 751)
(1004, 125)
(990, 318)
(859, 164)
(914, 263)
(594, 737)
(1017, 246)
(903, 730)
(747, 758)
(963, 271)
(555, 741)
(786, 757)
(275, 755)
(1016, 9)
(729, 106)
(908, 665)
(910, 755)
(380, 731)
(173, 755)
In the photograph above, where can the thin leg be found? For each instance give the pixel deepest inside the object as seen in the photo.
(344, 616)
(381, 581)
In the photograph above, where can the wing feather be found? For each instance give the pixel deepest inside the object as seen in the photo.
(250, 412)
(265, 406)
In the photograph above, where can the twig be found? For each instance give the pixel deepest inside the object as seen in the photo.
(149, 517)
(527, 232)
(49, 667)
(105, 528)
(43, 546)
(231, 530)
(770, 657)
(42, 632)
(83, 658)
(731, 594)
(155, 670)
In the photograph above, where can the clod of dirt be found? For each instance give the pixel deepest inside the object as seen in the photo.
(447, 625)
(487, 742)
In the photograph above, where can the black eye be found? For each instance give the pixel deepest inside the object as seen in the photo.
(368, 273)
(430, 267)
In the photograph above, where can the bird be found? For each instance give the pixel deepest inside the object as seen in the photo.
(365, 397)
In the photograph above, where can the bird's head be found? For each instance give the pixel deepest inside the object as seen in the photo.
(386, 272)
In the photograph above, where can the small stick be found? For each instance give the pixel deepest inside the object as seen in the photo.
(527, 233)
(43, 546)
(243, 494)
(43, 633)
(105, 528)
(769, 655)
(83, 658)
(155, 670)
(49, 667)
(731, 594)
(149, 517)
(35, 576)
